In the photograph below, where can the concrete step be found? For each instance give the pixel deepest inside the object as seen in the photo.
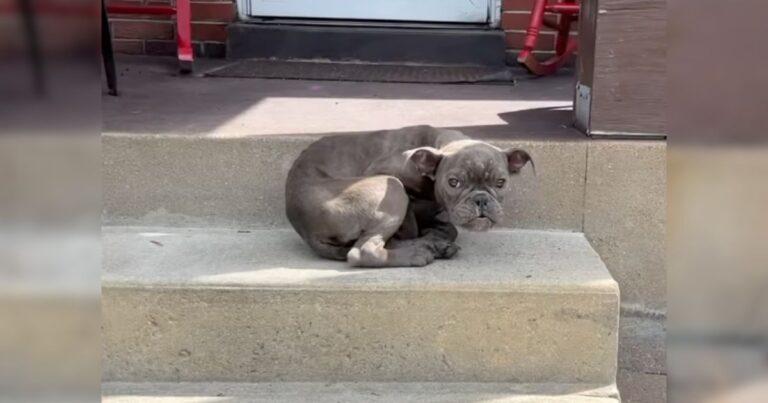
(356, 392)
(368, 44)
(171, 180)
(258, 306)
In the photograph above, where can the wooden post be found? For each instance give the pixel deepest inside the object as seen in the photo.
(621, 88)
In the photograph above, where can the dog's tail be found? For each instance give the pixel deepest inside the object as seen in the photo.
(328, 249)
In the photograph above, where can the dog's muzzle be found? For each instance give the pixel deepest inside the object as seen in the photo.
(478, 212)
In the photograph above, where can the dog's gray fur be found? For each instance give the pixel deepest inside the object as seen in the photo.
(392, 198)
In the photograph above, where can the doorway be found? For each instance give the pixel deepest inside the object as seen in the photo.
(427, 11)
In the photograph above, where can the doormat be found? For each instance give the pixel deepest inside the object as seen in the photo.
(394, 73)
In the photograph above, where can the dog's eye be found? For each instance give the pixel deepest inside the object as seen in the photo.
(500, 183)
(453, 182)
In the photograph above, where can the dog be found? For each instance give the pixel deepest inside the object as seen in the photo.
(395, 198)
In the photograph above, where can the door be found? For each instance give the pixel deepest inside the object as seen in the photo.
(456, 11)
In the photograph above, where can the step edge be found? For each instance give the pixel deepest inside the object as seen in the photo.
(144, 228)
(604, 289)
(596, 390)
(303, 137)
(372, 29)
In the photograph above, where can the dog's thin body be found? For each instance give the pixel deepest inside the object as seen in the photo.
(374, 201)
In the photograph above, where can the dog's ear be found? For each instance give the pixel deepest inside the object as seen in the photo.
(516, 160)
(425, 159)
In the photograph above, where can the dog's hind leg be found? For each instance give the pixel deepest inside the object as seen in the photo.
(386, 206)
(356, 217)
(328, 249)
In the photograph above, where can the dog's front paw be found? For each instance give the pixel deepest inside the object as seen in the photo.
(444, 249)
(422, 256)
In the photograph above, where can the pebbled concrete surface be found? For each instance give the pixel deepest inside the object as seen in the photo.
(356, 392)
(257, 335)
(642, 376)
(625, 216)
(639, 387)
(625, 220)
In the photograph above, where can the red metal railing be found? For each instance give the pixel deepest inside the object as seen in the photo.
(568, 12)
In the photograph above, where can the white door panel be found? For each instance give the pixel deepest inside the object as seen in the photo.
(470, 11)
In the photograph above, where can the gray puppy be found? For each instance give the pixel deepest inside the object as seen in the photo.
(392, 198)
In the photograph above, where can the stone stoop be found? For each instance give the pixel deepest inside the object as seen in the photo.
(208, 296)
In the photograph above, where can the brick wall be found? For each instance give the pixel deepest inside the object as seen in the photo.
(514, 21)
(156, 35)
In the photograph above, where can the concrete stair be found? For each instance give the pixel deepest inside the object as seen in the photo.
(208, 296)
(232, 305)
(203, 181)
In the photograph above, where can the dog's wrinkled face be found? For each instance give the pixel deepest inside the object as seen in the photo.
(471, 179)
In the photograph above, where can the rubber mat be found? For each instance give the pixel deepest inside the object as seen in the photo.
(398, 73)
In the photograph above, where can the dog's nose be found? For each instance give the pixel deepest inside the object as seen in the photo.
(481, 201)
